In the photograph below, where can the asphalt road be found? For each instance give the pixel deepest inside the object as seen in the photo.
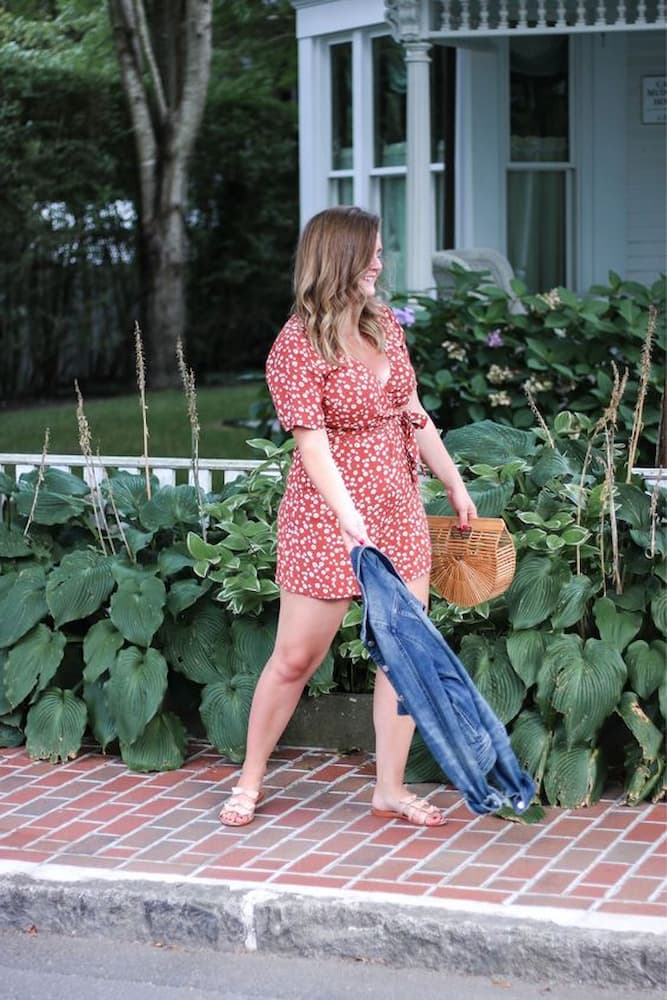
(36, 966)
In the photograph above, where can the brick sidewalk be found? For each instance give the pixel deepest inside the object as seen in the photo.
(315, 830)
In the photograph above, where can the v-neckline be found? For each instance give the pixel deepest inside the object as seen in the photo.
(382, 382)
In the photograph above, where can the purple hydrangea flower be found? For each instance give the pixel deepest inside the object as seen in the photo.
(405, 315)
(495, 339)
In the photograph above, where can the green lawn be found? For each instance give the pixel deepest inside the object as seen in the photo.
(116, 427)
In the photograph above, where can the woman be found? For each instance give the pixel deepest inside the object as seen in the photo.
(342, 383)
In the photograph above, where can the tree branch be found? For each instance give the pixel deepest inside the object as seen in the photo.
(125, 35)
(147, 48)
(196, 73)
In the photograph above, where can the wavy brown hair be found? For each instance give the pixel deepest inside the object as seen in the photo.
(335, 250)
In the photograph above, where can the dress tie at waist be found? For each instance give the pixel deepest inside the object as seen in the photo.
(409, 422)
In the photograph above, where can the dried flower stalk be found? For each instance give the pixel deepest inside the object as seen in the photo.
(190, 389)
(86, 451)
(644, 374)
(607, 422)
(538, 416)
(141, 383)
(40, 480)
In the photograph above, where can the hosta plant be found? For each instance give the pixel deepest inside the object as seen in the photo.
(106, 629)
(572, 658)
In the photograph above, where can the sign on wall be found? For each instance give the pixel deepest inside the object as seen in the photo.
(654, 100)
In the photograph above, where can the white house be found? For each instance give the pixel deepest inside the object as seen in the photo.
(536, 128)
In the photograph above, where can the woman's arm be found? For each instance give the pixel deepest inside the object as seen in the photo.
(325, 476)
(434, 454)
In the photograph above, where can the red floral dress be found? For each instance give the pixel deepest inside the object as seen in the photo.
(372, 440)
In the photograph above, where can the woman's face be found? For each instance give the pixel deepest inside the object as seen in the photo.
(372, 273)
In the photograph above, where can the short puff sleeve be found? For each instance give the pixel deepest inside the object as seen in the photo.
(295, 375)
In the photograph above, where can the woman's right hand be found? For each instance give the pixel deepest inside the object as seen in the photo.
(353, 530)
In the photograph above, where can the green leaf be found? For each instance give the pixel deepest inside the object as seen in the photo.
(551, 464)
(646, 666)
(531, 742)
(32, 662)
(252, 643)
(526, 652)
(99, 716)
(136, 606)
(575, 776)
(648, 736)
(224, 709)
(184, 593)
(490, 443)
(633, 506)
(55, 480)
(7, 485)
(618, 628)
(589, 681)
(659, 611)
(174, 559)
(10, 735)
(22, 605)
(422, 766)
(55, 726)
(13, 545)
(100, 646)
(322, 680)
(137, 540)
(573, 598)
(161, 746)
(203, 551)
(135, 690)
(491, 670)
(79, 586)
(5, 704)
(201, 648)
(129, 492)
(575, 535)
(51, 508)
(490, 498)
(534, 592)
(171, 506)
(642, 777)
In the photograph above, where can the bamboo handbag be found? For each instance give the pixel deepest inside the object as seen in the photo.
(470, 567)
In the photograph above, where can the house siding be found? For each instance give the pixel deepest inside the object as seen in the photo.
(646, 165)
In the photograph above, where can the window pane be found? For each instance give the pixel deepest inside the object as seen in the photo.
(342, 191)
(539, 118)
(392, 210)
(341, 106)
(536, 227)
(389, 102)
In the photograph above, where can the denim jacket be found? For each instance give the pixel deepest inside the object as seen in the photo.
(457, 725)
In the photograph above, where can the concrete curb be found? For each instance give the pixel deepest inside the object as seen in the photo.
(438, 935)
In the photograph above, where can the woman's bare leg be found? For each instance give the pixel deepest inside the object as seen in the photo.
(306, 628)
(393, 735)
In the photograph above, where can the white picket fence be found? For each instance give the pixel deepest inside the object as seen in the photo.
(168, 471)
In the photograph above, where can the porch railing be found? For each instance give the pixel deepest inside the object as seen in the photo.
(477, 18)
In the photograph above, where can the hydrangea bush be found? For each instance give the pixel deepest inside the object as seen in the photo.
(482, 353)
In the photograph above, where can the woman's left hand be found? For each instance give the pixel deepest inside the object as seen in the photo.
(462, 504)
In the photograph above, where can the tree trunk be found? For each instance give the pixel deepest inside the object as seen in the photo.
(164, 51)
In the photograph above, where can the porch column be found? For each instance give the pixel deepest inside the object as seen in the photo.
(419, 222)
